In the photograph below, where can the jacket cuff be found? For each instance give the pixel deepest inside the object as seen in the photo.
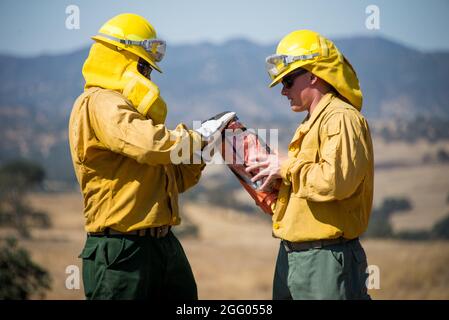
(285, 169)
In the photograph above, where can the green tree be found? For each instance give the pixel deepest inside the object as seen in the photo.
(440, 229)
(20, 277)
(442, 155)
(380, 221)
(17, 178)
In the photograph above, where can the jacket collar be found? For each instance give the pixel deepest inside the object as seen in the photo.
(311, 118)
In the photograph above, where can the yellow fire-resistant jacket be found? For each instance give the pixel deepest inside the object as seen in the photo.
(122, 162)
(327, 188)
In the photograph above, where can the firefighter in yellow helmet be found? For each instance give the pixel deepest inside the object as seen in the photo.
(123, 158)
(326, 193)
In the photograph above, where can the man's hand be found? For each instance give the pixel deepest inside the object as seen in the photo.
(268, 170)
(213, 125)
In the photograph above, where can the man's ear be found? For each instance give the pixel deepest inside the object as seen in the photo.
(313, 79)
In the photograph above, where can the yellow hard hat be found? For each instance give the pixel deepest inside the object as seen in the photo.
(309, 50)
(134, 34)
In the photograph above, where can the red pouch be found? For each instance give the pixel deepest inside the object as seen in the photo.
(241, 148)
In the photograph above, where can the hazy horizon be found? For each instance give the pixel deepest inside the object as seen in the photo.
(223, 42)
(39, 27)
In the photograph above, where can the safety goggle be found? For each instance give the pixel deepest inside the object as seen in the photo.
(277, 63)
(155, 47)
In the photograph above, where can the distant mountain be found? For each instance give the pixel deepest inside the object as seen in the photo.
(36, 94)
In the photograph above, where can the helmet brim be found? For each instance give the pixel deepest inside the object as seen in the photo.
(138, 52)
(292, 67)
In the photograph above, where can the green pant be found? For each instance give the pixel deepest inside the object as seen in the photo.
(332, 272)
(133, 267)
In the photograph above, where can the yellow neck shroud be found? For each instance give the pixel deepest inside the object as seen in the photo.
(110, 68)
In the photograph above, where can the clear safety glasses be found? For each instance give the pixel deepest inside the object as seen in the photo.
(289, 79)
(277, 63)
(155, 47)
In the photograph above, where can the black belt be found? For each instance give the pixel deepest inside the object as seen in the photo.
(317, 244)
(156, 232)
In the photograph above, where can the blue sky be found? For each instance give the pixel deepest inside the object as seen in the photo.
(30, 28)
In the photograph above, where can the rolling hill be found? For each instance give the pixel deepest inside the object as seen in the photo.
(36, 94)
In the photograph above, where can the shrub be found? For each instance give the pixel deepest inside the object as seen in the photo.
(440, 229)
(20, 277)
(17, 178)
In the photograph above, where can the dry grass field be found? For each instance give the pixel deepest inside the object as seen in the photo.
(425, 185)
(234, 255)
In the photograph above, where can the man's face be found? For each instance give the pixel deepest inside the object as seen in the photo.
(296, 89)
(144, 68)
